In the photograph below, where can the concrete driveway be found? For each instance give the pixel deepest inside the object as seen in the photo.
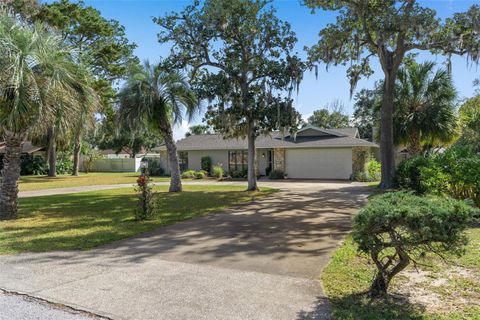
(256, 261)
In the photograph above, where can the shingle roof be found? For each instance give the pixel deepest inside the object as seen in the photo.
(27, 147)
(273, 140)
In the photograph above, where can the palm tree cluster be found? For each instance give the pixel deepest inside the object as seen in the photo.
(42, 86)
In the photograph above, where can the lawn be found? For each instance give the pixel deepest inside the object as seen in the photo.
(438, 290)
(29, 183)
(86, 220)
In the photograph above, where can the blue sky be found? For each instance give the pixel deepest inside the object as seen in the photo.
(136, 16)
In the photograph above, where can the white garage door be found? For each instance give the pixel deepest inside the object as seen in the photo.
(328, 163)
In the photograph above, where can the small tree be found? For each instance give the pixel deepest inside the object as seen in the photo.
(397, 228)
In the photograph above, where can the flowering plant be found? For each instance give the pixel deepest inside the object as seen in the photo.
(146, 205)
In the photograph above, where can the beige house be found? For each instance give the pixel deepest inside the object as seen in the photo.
(313, 153)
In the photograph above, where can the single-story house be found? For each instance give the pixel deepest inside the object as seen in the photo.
(125, 153)
(313, 153)
(27, 147)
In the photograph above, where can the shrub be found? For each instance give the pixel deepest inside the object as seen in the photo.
(200, 174)
(206, 164)
(455, 172)
(397, 228)
(370, 172)
(64, 163)
(32, 165)
(155, 167)
(374, 170)
(189, 174)
(218, 171)
(239, 174)
(276, 174)
(407, 175)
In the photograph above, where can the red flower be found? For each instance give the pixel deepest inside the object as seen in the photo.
(141, 181)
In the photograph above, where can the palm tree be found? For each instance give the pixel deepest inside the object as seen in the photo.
(158, 99)
(37, 83)
(424, 107)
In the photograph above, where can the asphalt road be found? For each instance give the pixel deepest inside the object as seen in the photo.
(15, 307)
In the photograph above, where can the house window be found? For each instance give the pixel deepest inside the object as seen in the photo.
(237, 160)
(183, 160)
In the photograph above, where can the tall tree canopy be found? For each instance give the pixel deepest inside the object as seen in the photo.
(198, 129)
(389, 30)
(330, 117)
(424, 107)
(40, 84)
(240, 58)
(469, 113)
(156, 99)
(102, 46)
(366, 111)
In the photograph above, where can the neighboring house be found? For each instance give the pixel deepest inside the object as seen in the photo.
(125, 153)
(313, 153)
(28, 148)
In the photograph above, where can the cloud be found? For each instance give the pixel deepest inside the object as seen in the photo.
(179, 130)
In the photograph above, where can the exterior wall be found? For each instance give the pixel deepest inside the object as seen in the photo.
(319, 163)
(279, 159)
(262, 161)
(217, 156)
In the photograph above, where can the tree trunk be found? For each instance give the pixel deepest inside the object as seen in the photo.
(52, 153)
(414, 145)
(386, 131)
(76, 155)
(175, 178)
(11, 174)
(252, 170)
(380, 285)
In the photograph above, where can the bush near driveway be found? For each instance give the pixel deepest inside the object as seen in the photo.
(440, 288)
(455, 173)
(396, 228)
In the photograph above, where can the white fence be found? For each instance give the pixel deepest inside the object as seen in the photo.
(114, 165)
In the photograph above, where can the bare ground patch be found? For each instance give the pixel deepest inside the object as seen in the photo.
(452, 289)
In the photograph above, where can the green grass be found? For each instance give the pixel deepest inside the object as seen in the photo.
(86, 220)
(29, 183)
(349, 275)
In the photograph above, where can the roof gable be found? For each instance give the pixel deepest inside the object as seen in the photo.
(312, 131)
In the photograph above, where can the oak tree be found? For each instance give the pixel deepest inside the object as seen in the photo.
(239, 55)
(389, 30)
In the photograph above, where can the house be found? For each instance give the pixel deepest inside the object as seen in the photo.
(27, 148)
(125, 153)
(313, 153)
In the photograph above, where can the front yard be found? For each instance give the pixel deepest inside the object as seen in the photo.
(437, 290)
(88, 219)
(30, 183)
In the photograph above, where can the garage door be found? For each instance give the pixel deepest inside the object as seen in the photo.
(328, 163)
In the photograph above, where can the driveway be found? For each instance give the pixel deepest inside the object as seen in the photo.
(257, 261)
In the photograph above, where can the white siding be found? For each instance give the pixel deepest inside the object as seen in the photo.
(322, 163)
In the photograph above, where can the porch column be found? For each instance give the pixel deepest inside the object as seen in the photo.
(279, 159)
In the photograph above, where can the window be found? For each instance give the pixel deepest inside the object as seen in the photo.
(183, 160)
(237, 160)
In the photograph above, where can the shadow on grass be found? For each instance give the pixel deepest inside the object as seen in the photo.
(360, 307)
(86, 220)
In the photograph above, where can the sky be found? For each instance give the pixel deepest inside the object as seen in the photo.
(315, 93)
